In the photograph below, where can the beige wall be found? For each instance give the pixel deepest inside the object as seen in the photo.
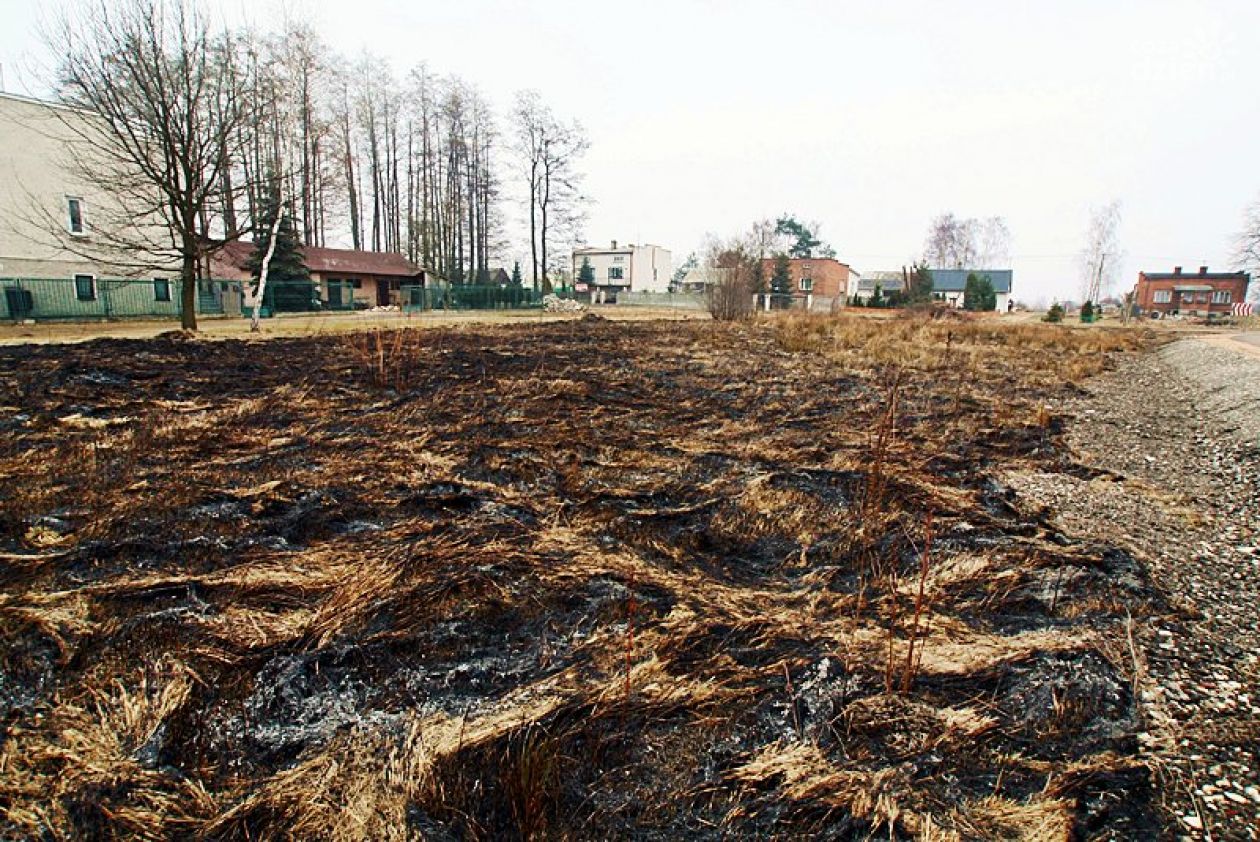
(644, 268)
(40, 157)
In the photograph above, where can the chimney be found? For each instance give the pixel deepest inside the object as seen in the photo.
(614, 242)
(1202, 270)
(1176, 270)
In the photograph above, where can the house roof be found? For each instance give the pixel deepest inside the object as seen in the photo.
(1194, 276)
(333, 261)
(955, 280)
(793, 261)
(889, 283)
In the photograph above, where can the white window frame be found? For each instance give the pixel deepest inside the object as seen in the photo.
(807, 284)
(1222, 296)
(1162, 296)
(616, 273)
(95, 293)
(70, 216)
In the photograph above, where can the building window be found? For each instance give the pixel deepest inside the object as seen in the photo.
(85, 287)
(807, 284)
(356, 283)
(1221, 296)
(1163, 296)
(619, 258)
(161, 289)
(616, 273)
(74, 215)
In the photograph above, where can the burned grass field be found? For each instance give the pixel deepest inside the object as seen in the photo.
(576, 580)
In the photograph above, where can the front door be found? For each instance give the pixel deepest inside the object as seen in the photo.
(382, 292)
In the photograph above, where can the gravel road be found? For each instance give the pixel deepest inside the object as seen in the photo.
(1178, 433)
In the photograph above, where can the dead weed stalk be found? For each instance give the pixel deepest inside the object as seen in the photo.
(387, 356)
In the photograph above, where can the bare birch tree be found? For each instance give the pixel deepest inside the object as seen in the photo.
(993, 244)
(1100, 258)
(951, 242)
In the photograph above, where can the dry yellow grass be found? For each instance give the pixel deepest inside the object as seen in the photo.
(513, 589)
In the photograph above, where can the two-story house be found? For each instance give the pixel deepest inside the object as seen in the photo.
(630, 268)
(1189, 293)
(816, 281)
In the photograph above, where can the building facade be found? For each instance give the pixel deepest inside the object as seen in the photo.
(817, 282)
(55, 222)
(1201, 293)
(630, 268)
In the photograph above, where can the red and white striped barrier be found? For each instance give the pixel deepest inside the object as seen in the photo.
(1244, 309)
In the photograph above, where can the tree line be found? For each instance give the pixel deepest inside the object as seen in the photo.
(211, 126)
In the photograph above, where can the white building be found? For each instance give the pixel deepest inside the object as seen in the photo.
(630, 268)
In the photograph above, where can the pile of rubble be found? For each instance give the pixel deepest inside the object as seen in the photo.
(555, 304)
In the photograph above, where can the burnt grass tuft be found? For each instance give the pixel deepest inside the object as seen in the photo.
(581, 579)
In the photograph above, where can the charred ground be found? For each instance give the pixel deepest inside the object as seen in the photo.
(582, 579)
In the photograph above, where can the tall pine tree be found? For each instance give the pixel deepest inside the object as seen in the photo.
(586, 273)
(287, 263)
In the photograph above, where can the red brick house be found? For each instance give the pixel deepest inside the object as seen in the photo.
(817, 279)
(372, 279)
(1190, 294)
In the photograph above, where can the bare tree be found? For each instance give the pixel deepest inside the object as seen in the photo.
(1247, 246)
(146, 73)
(993, 246)
(951, 242)
(1100, 258)
(733, 270)
(548, 150)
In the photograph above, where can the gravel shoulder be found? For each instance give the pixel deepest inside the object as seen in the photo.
(1175, 439)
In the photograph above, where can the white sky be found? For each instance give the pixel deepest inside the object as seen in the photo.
(870, 118)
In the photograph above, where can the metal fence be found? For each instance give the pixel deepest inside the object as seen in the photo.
(476, 297)
(88, 297)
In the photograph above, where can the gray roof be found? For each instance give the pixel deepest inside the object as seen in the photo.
(885, 284)
(955, 280)
(1195, 276)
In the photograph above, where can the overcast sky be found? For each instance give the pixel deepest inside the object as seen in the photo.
(870, 118)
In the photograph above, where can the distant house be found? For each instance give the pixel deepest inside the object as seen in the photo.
(343, 278)
(863, 286)
(816, 281)
(630, 268)
(949, 284)
(498, 277)
(703, 278)
(1190, 294)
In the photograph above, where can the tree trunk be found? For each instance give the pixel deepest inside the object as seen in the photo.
(254, 325)
(188, 289)
(533, 225)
